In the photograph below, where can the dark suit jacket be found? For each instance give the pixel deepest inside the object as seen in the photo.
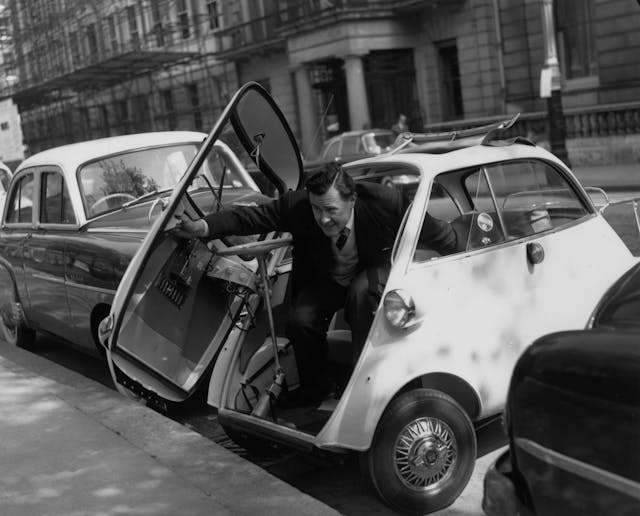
(378, 213)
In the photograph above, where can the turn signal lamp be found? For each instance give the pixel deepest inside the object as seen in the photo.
(399, 308)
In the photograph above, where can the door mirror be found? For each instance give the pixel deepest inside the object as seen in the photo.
(267, 138)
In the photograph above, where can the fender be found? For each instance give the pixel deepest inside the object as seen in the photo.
(374, 384)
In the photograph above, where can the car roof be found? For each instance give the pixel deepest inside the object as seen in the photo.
(466, 157)
(74, 154)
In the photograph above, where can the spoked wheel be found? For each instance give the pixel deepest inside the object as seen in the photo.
(11, 329)
(423, 452)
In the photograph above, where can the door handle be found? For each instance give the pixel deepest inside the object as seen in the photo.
(535, 253)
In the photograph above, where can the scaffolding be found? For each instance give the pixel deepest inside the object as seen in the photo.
(88, 68)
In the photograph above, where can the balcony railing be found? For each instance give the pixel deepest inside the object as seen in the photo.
(257, 35)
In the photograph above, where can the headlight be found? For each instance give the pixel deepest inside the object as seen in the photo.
(399, 308)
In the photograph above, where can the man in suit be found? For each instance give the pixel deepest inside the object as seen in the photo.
(343, 234)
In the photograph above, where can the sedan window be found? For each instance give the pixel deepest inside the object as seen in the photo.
(21, 203)
(55, 207)
(108, 183)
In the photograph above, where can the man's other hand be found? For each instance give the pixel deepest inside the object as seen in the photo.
(187, 228)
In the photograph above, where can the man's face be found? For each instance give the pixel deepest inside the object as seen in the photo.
(331, 211)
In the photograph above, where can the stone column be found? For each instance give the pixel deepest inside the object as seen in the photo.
(306, 113)
(357, 93)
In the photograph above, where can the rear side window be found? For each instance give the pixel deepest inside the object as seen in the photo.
(56, 204)
(349, 145)
(21, 203)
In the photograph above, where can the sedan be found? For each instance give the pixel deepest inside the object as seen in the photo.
(76, 214)
(352, 145)
(573, 418)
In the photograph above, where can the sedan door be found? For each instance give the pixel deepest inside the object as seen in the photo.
(44, 255)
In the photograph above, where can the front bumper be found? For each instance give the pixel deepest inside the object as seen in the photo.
(500, 496)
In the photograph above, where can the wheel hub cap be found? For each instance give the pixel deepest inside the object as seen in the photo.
(425, 453)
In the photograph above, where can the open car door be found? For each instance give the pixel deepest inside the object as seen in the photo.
(171, 313)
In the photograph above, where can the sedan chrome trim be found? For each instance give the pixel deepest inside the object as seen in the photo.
(114, 229)
(99, 290)
(582, 469)
(48, 277)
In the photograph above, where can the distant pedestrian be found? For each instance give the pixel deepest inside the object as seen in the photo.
(401, 126)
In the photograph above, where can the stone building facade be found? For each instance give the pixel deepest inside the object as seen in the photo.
(94, 68)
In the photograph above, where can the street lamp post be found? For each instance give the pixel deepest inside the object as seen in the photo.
(551, 85)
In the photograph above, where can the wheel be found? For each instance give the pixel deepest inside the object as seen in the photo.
(254, 445)
(123, 196)
(423, 452)
(12, 330)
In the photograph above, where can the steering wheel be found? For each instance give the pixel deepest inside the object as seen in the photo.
(103, 200)
(256, 248)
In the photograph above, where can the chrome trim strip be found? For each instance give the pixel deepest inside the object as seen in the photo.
(582, 469)
(99, 290)
(117, 230)
(48, 277)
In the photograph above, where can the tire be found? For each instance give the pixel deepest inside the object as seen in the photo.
(254, 445)
(429, 426)
(12, 333)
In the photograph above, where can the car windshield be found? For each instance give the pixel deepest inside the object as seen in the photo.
(109, 183)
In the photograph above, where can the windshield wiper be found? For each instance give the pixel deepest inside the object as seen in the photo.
(146, 197)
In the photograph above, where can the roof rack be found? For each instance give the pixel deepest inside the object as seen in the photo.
(438, 143)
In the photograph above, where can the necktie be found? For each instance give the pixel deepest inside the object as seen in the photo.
(342, 238)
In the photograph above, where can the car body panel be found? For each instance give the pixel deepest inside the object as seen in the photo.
(508, 294)
(573, 415)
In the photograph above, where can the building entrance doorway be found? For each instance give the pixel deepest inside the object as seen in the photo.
(391, 88)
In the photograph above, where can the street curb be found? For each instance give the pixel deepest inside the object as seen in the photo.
(238, 485)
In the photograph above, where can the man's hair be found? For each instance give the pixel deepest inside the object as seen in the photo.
(330, 175)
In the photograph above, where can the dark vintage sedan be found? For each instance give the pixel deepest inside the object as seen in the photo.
(573, 418)
(74, 217)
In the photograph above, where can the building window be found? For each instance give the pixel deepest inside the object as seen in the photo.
(92, 40)
(158, 30)
(168, 109)
(4, 126)
(122, 114)
(134, 35)
(112, 34)
(194, 99)
(575, 38)
(75, 48)
(183, 18)
(213, 12)
(451, 87)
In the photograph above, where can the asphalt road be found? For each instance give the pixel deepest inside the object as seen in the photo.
(333, 480)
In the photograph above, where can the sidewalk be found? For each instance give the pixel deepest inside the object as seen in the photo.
(70, 446)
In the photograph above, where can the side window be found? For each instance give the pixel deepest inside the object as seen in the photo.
(55, 207)
(349, 145)
(21, 203)
(442, 206)
(533, 197)
(333, 150)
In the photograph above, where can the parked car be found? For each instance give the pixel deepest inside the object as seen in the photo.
(573, 418)
(533, 256)
(350, 146)
(74, 217)
(5, 178)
